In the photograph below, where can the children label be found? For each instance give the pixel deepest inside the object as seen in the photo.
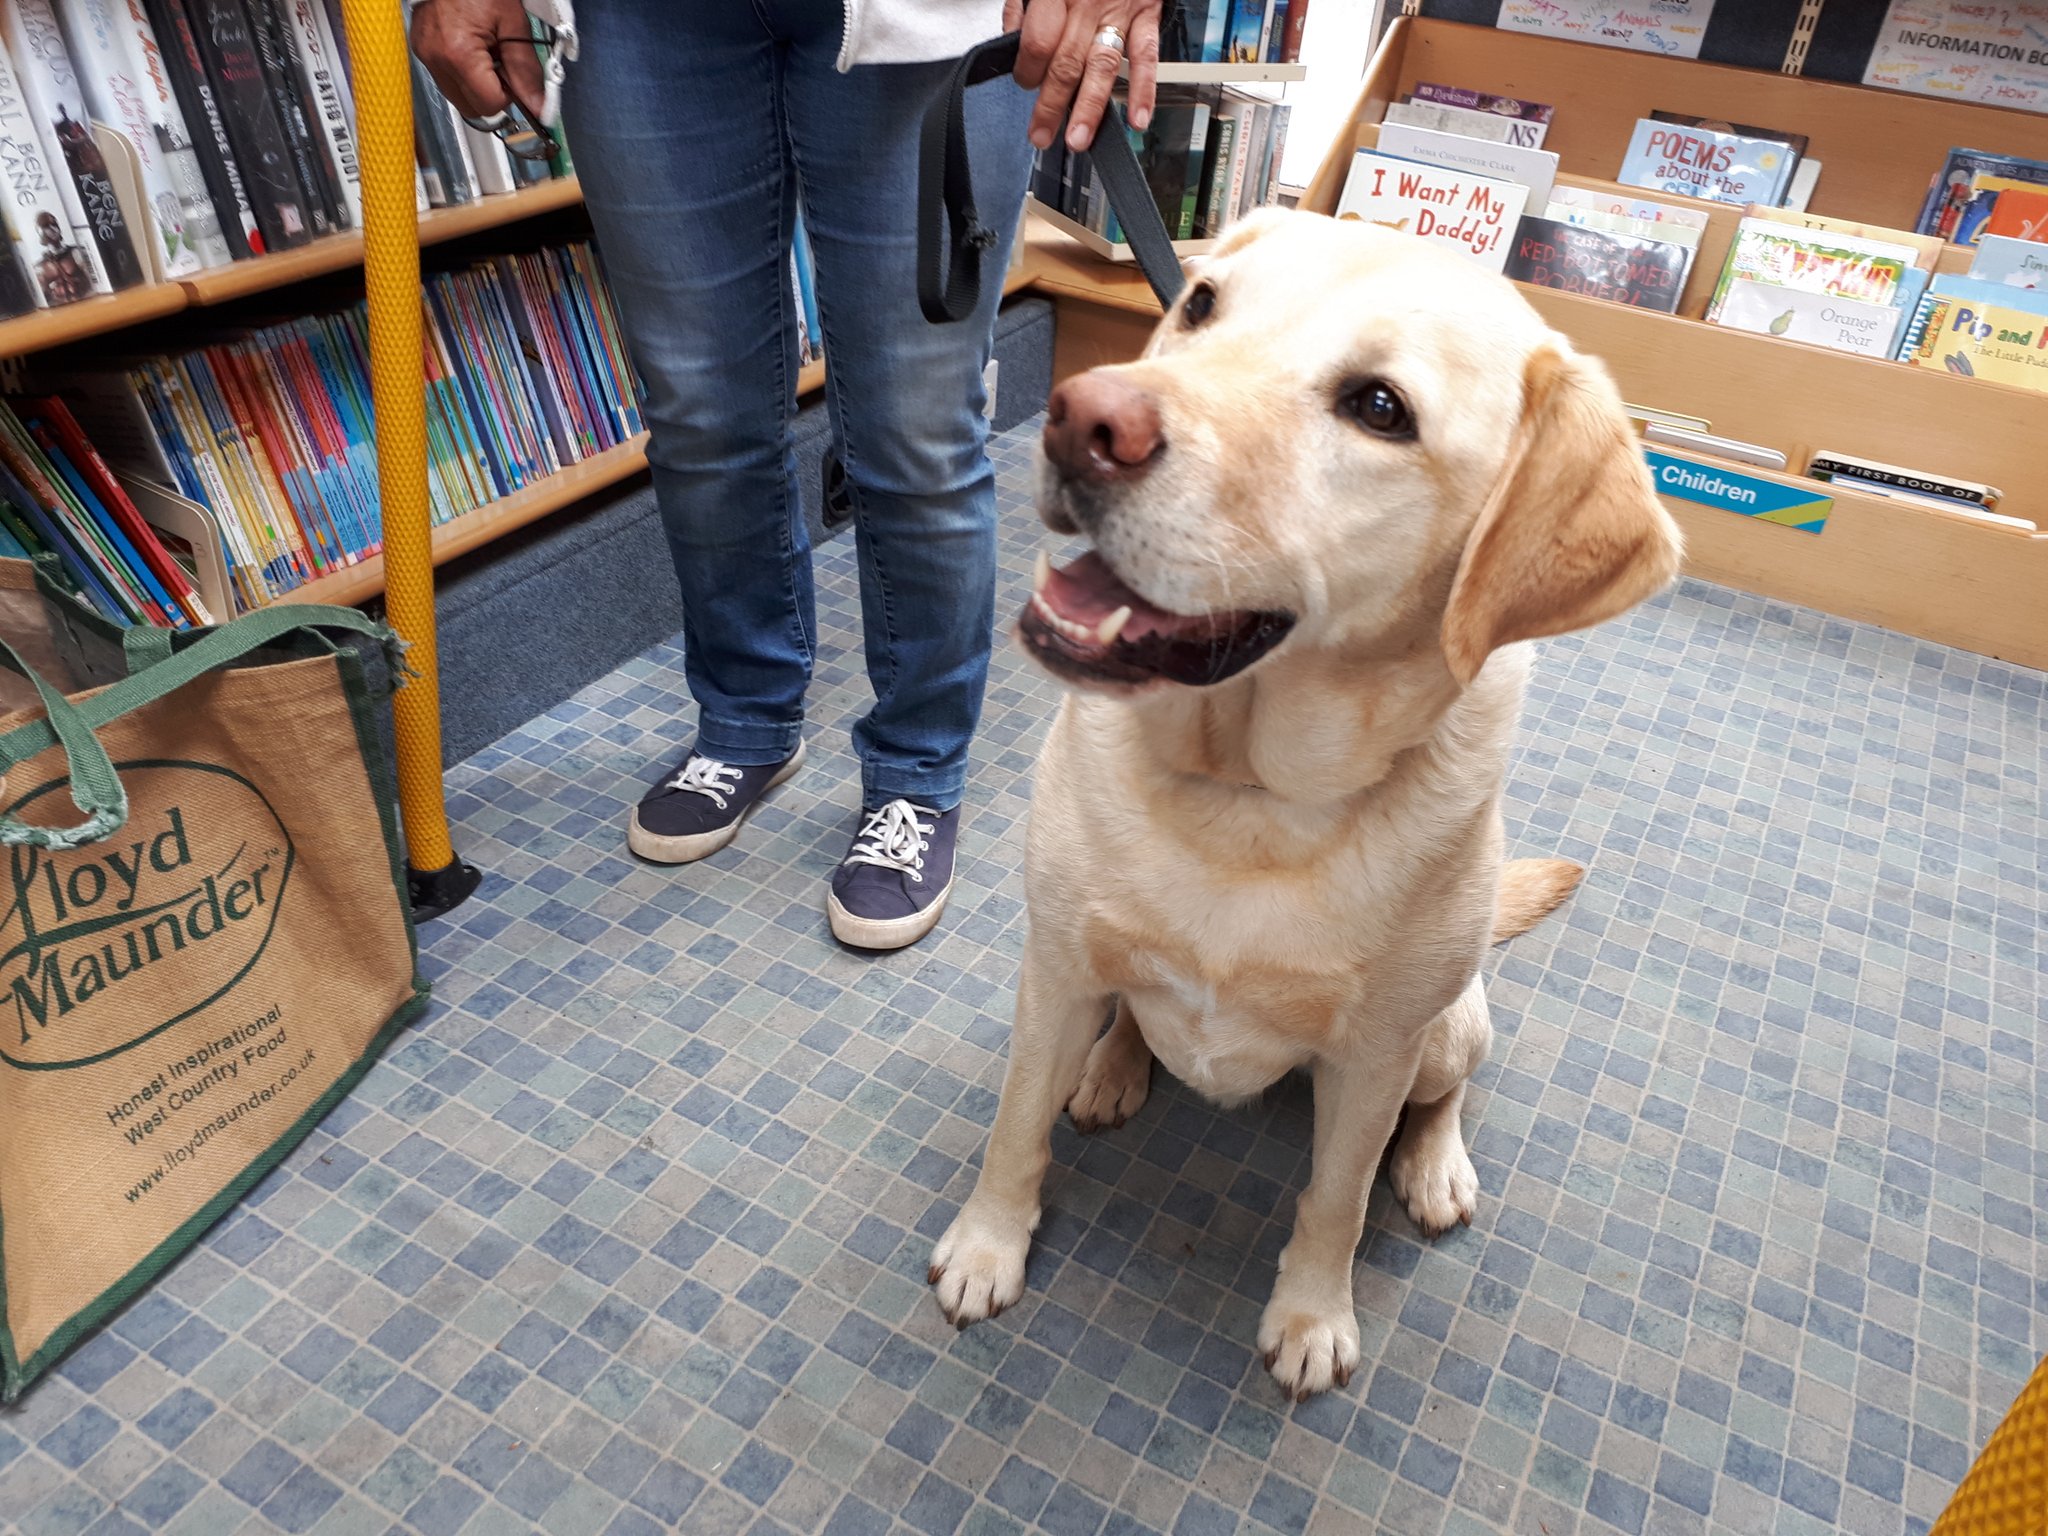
(1712, 486)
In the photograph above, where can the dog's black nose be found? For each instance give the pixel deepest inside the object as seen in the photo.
(1100, 426)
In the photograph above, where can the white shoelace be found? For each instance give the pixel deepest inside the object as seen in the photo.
(895, 839)
(707, 776)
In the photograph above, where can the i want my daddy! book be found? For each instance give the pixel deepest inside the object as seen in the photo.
(1473, 214)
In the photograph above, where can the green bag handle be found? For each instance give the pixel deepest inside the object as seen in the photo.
(95, 786)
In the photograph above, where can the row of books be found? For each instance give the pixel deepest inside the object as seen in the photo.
(1209, 155)
(1232, 31)
(272, 435)
(146, 140)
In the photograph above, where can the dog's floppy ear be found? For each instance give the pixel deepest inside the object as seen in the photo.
(1573, 533)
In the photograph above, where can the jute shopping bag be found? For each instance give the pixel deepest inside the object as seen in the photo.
(204, 942)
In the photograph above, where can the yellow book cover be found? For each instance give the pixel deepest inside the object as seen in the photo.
(1985, 341)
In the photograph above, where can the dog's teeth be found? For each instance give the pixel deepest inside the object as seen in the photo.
(1042, 573)
(1112, 626)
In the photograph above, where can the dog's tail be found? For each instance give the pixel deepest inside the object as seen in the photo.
(1530, 890)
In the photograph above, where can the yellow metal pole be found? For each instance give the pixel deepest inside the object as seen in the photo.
(2006, 1492)
(391, 276)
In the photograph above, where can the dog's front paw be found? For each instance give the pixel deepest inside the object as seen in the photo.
(978, 1265)
(1432, 1175)
(1115, 1082)
(1309, 1335)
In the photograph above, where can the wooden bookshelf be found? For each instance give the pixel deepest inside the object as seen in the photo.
(45, 328)
(66, 323)
(338, 253)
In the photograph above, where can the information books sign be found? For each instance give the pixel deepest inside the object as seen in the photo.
(1996, 54)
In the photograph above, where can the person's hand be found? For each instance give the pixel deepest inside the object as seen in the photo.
(1060, 59)
(458, 41)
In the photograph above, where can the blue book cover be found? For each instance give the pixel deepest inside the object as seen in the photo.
(1242, 39)
(77, 567)
(1698, 162)
(124, 550)
(1975, 290)
(2011, 262)
(807, 283)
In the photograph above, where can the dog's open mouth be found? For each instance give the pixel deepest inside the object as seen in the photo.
(1085, 624)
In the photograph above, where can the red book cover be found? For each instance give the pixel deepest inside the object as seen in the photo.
(148, 543)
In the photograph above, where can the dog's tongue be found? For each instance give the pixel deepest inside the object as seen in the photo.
(1088, 591)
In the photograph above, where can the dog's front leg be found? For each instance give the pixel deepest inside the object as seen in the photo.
(978, 1265)
(1309, 1333)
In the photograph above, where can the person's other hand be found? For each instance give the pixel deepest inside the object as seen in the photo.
(1060, 59)
(458, 41)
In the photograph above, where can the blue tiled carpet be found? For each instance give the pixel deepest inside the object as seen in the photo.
(630, 1234)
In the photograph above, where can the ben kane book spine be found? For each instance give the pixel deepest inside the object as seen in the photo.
(43, 66)
(59, 272)
(228, 49)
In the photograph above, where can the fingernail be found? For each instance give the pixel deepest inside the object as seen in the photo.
(1042, 137)
(1077, 138)
(1141, 119)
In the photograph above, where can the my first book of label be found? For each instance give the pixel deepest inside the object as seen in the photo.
(1473, 214)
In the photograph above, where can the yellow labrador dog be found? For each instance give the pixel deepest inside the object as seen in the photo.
(1351, 473)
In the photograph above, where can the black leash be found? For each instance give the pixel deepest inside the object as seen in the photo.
(949, 261)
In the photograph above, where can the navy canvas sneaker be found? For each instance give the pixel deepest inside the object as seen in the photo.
(695, 810)
(890, 888)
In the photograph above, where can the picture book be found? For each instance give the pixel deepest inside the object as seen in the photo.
(1846, 325)
(1698, 162)
(1986, 193)
(2016, 213)
(1985, 341)
(1795, 143)
(1838, 265)
(1686, 235)
(1648, 274)
(1829, 465)
(1589, 200)
(1927, 249)
(1954, 187)
(2015, 263)
(1535, 169)
(1470, 213)
(1474, 122)
(1472, 125)
(1482, 101)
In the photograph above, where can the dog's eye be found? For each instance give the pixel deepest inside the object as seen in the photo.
(1378, 407)
(1199, 306)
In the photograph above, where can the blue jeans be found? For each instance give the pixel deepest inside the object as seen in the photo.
(695, 127)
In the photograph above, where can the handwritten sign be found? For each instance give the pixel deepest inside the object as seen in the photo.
(1997, 54)
(1673, 27)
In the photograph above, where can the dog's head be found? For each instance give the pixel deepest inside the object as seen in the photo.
(1340, 438)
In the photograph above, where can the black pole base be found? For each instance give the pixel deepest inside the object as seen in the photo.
(436, 892)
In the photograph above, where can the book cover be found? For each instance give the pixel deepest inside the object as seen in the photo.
(220, 30)
(1443, 119)
(1824, 262)
(176, 136)
(1620, 224)
(2014, 262)
(1245, 32)
(1845, 325)
(1795, 143)
(17, 295)
(327, 95)
(1565, 200)
(1276, 154)
(1486, 101)
(278, 60)
(42, 67)
(1275, 40)
(2016, 213)
(171, 25)
(1253, 133)
(127, 604)
(1719, 167)
(1297, 24)
(60, 270)
(1925, 249)
(96, 31)
(157, 604)
(1475, 215)
(1646, 274)
(1179, 129)
(1954, 186)
(65, 428)
(1985, 341)
(1535, 169)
